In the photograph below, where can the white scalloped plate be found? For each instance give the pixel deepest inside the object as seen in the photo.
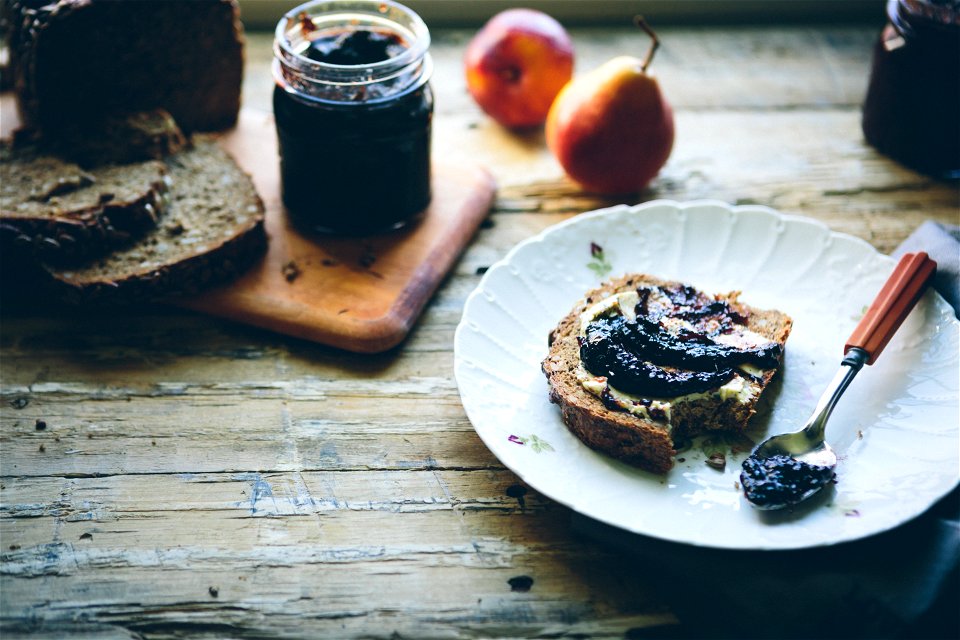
(896, 429)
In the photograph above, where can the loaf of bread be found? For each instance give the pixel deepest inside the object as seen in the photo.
(660, 400)
(75, 60)
(104, 188)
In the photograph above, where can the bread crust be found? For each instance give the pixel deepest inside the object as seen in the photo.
(644, 443)
(197, 273)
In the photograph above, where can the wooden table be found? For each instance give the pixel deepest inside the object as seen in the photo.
(199, 477)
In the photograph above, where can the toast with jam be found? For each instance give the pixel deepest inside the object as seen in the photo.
(641, 364)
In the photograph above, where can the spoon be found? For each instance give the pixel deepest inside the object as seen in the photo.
(787, 469)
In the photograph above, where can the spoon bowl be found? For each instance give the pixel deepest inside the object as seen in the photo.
(799, 447)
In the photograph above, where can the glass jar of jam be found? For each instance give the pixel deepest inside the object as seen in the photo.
(912, 108)
(353, 108)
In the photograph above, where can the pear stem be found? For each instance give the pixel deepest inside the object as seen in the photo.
(654, 45)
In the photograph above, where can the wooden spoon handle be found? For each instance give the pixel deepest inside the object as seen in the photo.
(892, 305)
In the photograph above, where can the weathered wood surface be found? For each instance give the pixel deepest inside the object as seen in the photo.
(198, 477)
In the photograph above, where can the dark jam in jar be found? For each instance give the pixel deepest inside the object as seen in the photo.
(355, 46)
(353, 109)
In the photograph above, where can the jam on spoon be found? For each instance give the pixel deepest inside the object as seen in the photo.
(781, 480)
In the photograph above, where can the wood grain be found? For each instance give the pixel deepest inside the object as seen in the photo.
(203, 478)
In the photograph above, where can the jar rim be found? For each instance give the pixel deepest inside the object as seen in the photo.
(908, 15)
(377, 10)
(425, 71)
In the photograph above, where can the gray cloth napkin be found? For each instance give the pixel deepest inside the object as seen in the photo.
(942, 243)
(902, 584)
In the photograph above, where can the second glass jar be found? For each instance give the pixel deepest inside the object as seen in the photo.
(912, 107)
(353, 109)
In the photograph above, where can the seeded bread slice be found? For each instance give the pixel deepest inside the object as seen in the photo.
(212, 231)
(56, 210)
(645, 443)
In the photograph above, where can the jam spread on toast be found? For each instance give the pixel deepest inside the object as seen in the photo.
(670, 347)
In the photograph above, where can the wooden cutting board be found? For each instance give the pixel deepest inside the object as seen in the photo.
(357, 293)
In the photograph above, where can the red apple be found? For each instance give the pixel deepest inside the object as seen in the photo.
(516, 64)
(612, 129)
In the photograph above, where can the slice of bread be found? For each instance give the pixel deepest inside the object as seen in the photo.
(74, 60)
(212, 231)
(118, 138)
(642, 430)
(62, 213)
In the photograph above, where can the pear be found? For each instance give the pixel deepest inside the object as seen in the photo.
(612, 129)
